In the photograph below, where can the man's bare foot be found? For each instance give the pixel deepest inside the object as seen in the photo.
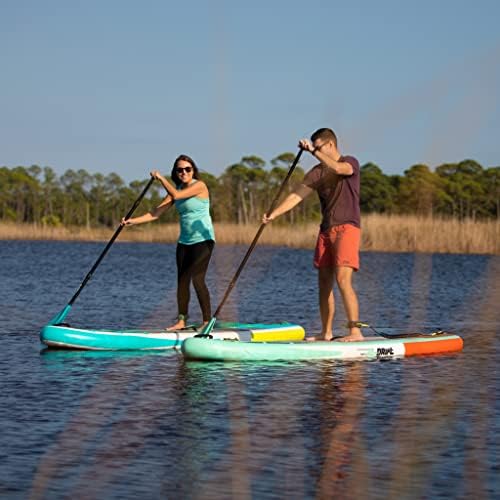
(321, 336)
(178, 326)
(350, 338)
(354, 336)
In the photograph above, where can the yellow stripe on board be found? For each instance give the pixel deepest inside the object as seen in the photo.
(292, 333)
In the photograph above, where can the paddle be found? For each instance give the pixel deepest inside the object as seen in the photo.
(61, 315)
(210, 325)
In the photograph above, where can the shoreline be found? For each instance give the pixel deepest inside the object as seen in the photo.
(383, 233)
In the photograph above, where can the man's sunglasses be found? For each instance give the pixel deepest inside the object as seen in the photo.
(184, 169)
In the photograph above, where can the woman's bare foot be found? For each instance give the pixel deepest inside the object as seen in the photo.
(178, 326)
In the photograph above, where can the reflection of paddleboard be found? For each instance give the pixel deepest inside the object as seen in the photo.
(370, 348)
(77, 338)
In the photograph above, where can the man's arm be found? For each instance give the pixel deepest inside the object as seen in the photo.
(339, 167)
(292, 200)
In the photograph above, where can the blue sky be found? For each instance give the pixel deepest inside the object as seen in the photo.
(127, 86)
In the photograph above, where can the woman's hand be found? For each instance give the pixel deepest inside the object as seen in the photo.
(155, 174)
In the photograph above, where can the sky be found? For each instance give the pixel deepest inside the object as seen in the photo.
(127, 86)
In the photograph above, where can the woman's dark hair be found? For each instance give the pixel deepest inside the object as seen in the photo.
(175, 177)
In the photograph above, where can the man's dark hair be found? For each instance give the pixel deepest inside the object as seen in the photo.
(327, 134)
(175, 177)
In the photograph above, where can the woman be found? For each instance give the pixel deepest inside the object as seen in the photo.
(196, 241)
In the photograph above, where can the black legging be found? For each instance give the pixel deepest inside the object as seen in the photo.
(192, 264)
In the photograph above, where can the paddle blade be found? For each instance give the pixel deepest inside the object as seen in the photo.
(59, 318)
(207, 330)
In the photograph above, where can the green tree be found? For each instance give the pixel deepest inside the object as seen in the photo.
(22, 191)
(52, 194)
(255, 188)
(218, 206)
(378, 194)
(7, 212)
(115, 206)
(35, 193)
(420, 191)
(491, 188)
(463, 185)
(76, 208)
(235, 179)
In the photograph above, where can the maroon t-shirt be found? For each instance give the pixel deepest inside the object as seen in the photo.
(338, 194)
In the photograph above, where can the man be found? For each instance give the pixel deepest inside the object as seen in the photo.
(336, 180)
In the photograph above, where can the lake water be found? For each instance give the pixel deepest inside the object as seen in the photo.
(141, 425)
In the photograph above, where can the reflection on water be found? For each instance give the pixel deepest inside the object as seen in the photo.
(136, 424)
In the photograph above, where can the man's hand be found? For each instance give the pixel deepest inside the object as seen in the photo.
(127, 222)
(267, 218)
(306, 145)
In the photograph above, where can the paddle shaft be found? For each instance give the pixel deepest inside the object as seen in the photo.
(257, 236)
(111, 241)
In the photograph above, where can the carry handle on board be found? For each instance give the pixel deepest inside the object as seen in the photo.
(210, 325)
(59, 318)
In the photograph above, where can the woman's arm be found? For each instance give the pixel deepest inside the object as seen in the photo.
(197, 189)
(150, 216)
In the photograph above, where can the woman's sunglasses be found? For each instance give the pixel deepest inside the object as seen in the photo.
(180, 170)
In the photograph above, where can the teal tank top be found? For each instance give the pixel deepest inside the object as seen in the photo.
(195, 221)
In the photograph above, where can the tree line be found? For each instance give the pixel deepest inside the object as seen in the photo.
(242, 193)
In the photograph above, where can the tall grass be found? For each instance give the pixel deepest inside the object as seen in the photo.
(393, 233)
(398, 233)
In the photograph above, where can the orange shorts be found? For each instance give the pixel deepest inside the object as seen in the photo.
(338, 246)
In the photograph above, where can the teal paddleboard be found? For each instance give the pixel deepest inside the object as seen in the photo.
(369, 348)
(62, 336)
